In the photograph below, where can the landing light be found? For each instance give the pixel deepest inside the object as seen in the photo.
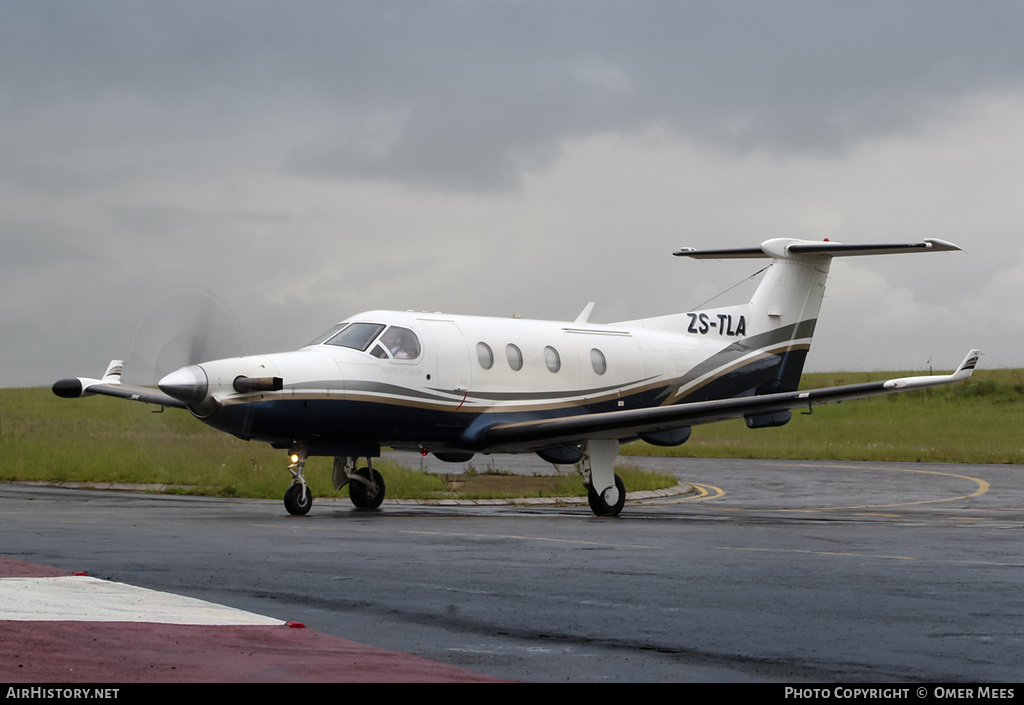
(295, 457)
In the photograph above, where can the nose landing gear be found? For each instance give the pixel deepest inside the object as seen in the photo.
(298, 499)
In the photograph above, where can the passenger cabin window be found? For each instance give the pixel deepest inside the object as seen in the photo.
(357, 336)
(551, 359)
(484, 355)
(598, 361)
(515, 357)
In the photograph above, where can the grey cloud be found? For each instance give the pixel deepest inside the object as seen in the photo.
(471, 95)
(239, 146)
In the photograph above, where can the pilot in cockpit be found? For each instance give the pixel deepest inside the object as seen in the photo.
(401, 343)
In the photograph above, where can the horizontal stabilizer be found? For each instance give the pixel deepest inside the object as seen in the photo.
(786, 248)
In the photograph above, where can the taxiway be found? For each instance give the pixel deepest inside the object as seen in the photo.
(781, 571)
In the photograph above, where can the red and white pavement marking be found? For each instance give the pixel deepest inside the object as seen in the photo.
(58, 627)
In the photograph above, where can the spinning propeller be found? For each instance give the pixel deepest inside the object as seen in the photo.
(182, 328)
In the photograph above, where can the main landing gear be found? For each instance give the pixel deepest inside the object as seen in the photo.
(606, 492)
(609, 502)
(365, 485)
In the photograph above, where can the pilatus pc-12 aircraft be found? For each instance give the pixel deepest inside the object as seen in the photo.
(570, 391)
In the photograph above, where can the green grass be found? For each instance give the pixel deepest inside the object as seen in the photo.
(100, 439)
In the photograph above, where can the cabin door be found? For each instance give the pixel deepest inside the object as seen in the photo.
(450, 356)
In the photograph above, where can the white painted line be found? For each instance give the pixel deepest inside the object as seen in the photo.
(85, 599)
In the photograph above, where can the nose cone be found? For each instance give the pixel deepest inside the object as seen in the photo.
(187, 384)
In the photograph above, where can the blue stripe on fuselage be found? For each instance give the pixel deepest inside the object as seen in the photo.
(336, 422)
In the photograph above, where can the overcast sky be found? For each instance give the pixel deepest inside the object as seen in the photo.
(299, 162)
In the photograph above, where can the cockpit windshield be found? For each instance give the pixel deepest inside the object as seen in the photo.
(357, 336)
(327, 334)
(397, 343)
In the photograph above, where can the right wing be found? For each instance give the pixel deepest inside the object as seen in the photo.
(542, 433)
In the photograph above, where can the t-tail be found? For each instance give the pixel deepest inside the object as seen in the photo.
(772, 332)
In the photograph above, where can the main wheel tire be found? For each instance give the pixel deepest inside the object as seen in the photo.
(363, 496)
(600, 507)
(295, 502)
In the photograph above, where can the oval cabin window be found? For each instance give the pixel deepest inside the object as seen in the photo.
(515, 357)
(598, 361)
(484, 355)
(551, 359)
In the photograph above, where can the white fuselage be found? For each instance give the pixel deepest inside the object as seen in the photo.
(465, 367)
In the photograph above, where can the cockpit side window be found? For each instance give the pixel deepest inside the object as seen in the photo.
(357, 336)
(402, 343)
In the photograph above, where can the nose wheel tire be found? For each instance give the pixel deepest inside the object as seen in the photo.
(298, 502)
(367, 496)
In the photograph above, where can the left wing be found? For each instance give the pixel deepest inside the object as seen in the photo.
(536, 435)
(110, 385)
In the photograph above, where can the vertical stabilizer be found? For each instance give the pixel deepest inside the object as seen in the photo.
(760, 347)
(781, 316)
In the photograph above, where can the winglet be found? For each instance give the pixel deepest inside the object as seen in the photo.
(966, 368)
(113, 373)
(964, 371)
